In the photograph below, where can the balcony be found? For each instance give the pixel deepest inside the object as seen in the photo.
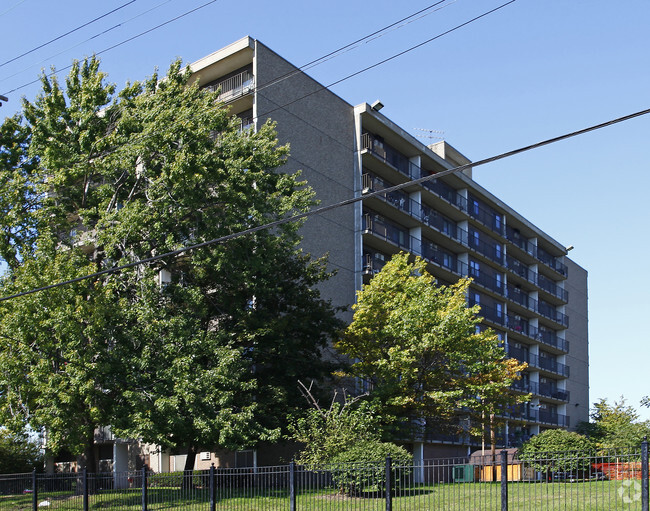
(548, 311)
(517, 295)
(397, 198)
(551, 391)
(519, 268)
(434, 254)
(441, 189)
(385, 153)
(552, 288)
(551, 261)
(550, 338)
(554, 418)
(489, 248)
(234, 86)
(515, 237)
(386, 231)
(545, 363)
(491, 282)
(486, 215)
(439, 222)
(494, 314)
(373, 262)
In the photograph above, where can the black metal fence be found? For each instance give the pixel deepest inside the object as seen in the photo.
(555, 482)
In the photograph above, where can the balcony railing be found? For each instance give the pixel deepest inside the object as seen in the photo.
(551, 287)
(234, 86)
(492, 282)
(386, 231)
(548, 364)
(550, 338)
(487, 216)
(373, 262)
(488, 312)
(397, 198)
(441, 189)
(547, 310)
(515, 237)
(548, 390)
(551, 261)
(516, 294)
(385, 152)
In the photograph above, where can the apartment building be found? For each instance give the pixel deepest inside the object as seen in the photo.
(529, 291)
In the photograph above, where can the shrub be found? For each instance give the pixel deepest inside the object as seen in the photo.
(362, 467)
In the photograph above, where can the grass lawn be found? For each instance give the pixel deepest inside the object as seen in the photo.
(556, 496)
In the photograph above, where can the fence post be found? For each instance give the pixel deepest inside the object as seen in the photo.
(213, 488)
(144, 488)
(504, 480)
(292, 486)
(34, 491)
(389, 485)
(85, 495)
(644, 474)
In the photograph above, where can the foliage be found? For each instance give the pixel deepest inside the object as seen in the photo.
(417, 346)
(19, 453)
(362, 467)
(614, 426)
(328, 432)
(94, 181)
(558, 450)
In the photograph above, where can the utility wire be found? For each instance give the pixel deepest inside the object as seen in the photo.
(342, 49)
(346, 202)
(67, 33)
(95, 36)
(392, 57)
(122, 42)
(11, 8)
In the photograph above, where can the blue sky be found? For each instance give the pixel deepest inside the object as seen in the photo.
(530, 71)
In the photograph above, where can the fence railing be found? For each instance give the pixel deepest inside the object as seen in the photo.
(553, 481)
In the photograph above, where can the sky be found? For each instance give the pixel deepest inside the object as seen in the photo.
(529, 71)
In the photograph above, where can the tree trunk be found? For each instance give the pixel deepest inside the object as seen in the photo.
(188, 471)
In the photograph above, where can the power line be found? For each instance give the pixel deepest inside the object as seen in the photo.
(339, 51)
(346, 202)
(95, 36)
(186, 13)
(11, 8)
(67, 33)
(392, 57)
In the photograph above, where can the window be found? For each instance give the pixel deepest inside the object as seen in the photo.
(475, 207)
(474, 269)
(497, 222)
(499, 310)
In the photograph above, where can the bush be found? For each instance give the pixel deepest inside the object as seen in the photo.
(362, 468)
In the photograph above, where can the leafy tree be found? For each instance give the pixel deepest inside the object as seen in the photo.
(341, 437)
(417, 346)
(348, 430)
(19, 453)
(614, 426)
(198, 350)
(558, 450)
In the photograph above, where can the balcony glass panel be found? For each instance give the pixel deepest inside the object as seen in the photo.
(439, 256)
(551, 261)
(397, 198)
(485, 214)
(373, 261)
(551, 287)
(515, 237)
(385, 152)
(386, 230)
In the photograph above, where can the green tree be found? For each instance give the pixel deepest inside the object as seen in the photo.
(558, 450)
(614, 426)
(417, 346)
(346, 433)
(19, 453)
(199, 350)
